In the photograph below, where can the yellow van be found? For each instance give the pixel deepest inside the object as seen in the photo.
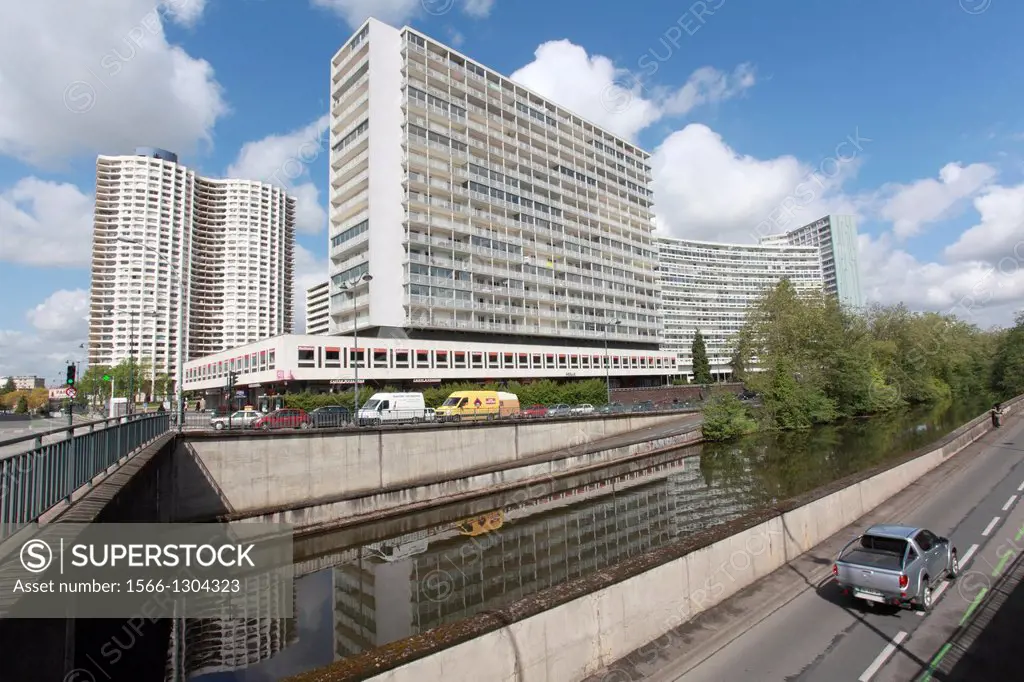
(465, 405)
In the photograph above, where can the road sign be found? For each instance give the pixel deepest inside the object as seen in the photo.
(72, 392)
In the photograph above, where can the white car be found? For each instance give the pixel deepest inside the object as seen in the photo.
(585, 408)
(242, 419)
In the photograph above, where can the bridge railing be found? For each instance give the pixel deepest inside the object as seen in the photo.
(38, 475)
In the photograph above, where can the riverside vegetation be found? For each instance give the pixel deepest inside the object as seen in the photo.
(820, 363)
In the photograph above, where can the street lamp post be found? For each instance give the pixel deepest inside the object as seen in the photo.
(607, 362)
(351, 287)
(179, 359)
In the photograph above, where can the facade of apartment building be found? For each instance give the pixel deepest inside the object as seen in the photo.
(318, 313)
(835, 237)
(166, 238)
(481, 210)
(711, 287)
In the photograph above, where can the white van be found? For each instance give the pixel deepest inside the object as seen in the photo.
(393, 408)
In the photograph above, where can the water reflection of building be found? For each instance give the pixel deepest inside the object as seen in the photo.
(699, 505)
(200, 646)
(390, 591)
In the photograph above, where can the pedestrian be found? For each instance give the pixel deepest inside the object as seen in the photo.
(997, 415)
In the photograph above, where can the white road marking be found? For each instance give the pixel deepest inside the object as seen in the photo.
(935, 596)
(967, 555)
(1009, 502)
(990, 526)
(882, 657)
(1020, 488)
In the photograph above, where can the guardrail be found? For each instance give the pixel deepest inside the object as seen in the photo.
(385, 418)
(34, 480)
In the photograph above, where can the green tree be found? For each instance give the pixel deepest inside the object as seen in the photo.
(22, 406)
(1008, 364)
(701, 366)
(725, 418)
(8, 386)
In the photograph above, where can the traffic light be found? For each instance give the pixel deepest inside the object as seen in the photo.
(107, 377)
(71, 375)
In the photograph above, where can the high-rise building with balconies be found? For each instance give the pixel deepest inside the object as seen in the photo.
(478, 207)
(712, 287)
(835, 237)
(318, 313)
(166, 237)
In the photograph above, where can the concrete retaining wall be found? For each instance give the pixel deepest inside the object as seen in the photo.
(323, 515)
(261, 472)
(578, 638)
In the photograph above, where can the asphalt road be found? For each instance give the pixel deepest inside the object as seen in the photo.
(796, 626)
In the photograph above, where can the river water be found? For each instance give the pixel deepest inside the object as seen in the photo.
(355, 598)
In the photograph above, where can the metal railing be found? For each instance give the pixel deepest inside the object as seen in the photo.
(36, 479)
(340, 419)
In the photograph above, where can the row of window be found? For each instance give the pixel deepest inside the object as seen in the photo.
(327, 357)
(309, 357)
(350, 139)
(351, 273)
(350, 233)
(454, 110)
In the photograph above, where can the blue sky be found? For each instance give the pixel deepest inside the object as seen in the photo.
(741, 103)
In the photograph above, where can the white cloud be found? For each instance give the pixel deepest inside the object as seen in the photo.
(284, 160)
(615, 98)
(705, 190)
(397, 12)
(1000, 234)
(64, 315)
(98, 76)
(478, 8)
(309, 270)
(976, 291)
(911, 207)
(45, 223)
(59, 325)
(708, 85)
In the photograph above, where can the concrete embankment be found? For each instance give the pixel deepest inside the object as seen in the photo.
(574, 630)
(312, 480)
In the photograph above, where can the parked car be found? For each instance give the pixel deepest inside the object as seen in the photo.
(579, 410)
(896, 565)
(643, 406)
(393, 408)
(611, 408)
(559, 410)
(242, 419)
(285, 418)
(534, 412)
(331, 417)
(463, 405)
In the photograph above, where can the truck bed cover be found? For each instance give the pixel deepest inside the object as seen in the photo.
(874, 559)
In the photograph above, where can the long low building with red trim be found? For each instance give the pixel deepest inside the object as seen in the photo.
(292, 363)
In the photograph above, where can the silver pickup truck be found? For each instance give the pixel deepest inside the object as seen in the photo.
(896, 565)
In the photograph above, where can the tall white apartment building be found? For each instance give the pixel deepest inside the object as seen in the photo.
(711, 287)
(166, 237)
(835, 236)
(318, 313)
(478, 207)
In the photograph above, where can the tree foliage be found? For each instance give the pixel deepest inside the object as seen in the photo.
(1008, 364)
(701, 365)
(815, 362)
(33, 399)
(725, 418)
